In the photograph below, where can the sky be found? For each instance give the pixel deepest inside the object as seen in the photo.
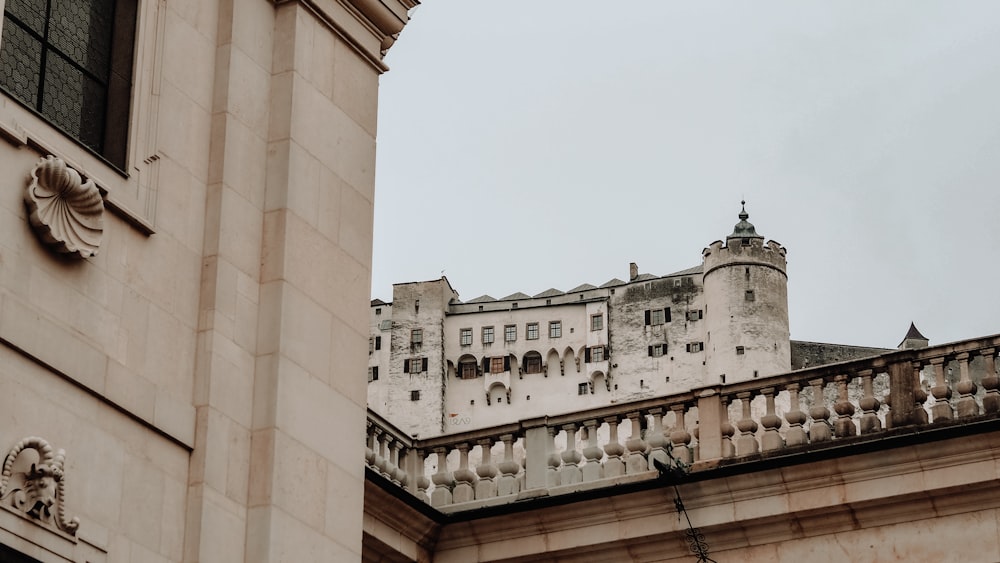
(528, 144)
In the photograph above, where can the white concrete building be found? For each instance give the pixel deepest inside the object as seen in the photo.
(444, 365)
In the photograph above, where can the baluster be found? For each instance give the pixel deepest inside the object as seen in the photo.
(941, 410)
(613, 465)
(418, 477)
(443, 480)
(370, 443)
(508, 483)
(636, 461)
(966, 388)
(465, 478)
(991, 401)
(679, 436)
(869, 404)
(592, 470)
(819, 428)
(746, 444)
(570, 472)
(844, 426)
(398, 475)
(486, 486)
(656, 440)
(727, 429)
(378, 464)
(771, 440)
(796, 435)
(554, 459)
(919, 396)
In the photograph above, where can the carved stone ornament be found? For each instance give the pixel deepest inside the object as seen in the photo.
(65, 212)
(33, 483)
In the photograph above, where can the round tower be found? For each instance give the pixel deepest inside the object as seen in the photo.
(746, 314)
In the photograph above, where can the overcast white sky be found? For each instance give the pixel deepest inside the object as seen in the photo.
(530, 144)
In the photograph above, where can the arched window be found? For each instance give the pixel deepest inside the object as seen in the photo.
(468, 367)
(532, 362)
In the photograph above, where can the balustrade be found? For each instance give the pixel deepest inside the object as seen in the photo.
(839, 402)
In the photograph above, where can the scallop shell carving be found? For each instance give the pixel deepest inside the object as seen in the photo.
(65, 212)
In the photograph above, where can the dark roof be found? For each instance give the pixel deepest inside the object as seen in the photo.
(914, 333)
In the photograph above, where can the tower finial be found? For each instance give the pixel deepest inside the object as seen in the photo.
(743, 210)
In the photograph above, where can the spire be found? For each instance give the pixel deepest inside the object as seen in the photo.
(744, 229)
(913, 339)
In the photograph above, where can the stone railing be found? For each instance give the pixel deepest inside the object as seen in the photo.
(618, 443)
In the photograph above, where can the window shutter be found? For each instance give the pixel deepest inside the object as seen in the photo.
(506, 363)
(486, 365)
(524, 363)
(647, 317)
(586, 355)
(423, 364)
(406, 366)
(650, 351)
(606, 353)
(666, 314)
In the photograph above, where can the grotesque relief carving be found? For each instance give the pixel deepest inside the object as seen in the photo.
(65, 212)
(34, 484)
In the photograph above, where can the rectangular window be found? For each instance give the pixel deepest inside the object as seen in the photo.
(531, 331)
(656, 317)
(555, 329)
(417, 336)
(740, 350)
(657, 350)
(71, 63)
(371, 345)
(487, 335)
(415, 395)
(378, 310)
(694, 315)
(372, 374)
(415, 365)
(510, 333)
(533, 363)
(695, 347)
(749, 295)
(378, 342)
(465, 337)
(583, 389)
(597, 322)
(497, 364)
(597, 354)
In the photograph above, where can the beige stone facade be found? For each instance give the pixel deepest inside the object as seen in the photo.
(195, 368)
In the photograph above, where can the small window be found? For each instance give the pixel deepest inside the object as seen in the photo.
(510, 333)
(378, 310)
(416, 306)
(695, 347)
(555, 329)
(749, 295)
(745, 242)
(583, 389)
(415, 395)
(597, 322)
(372, 374)
(531, 331)
(695, 315)
(657, 350)
(371, 345)
(378, 342)
(487, 335)
(532, 362)
(417, 337)
(740, 350)
(467, 369)
(415, 365)
(497, 364)
(465, 337)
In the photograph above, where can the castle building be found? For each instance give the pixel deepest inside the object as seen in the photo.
(441, 365)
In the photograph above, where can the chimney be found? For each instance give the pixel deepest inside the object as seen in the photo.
(633, 271)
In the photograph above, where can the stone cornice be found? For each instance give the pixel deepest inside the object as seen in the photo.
(368, 26)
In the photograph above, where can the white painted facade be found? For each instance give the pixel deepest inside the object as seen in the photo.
(492, 361)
